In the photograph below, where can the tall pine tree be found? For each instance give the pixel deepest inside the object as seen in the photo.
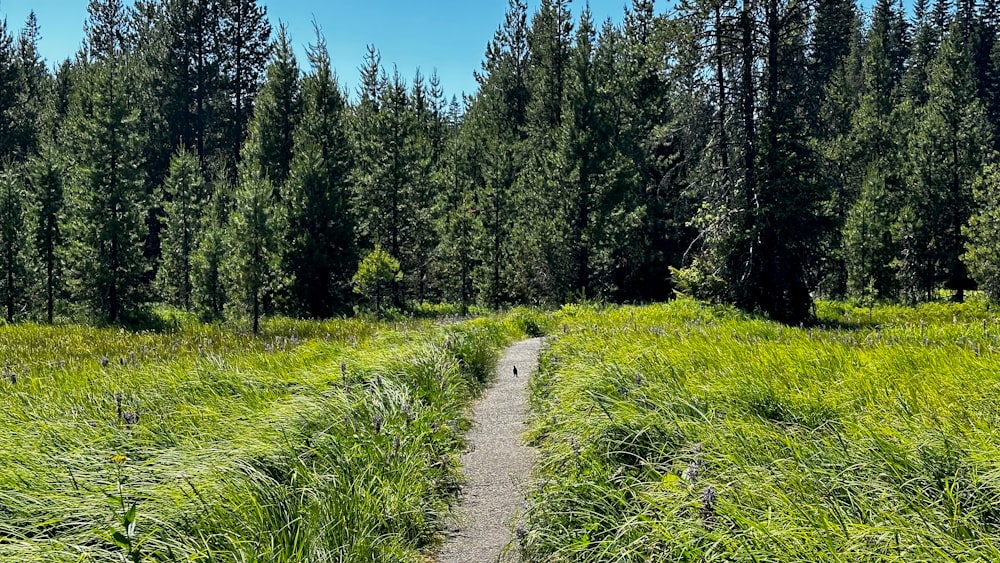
(107, 197)
(46, 175)
(251, 261)
(183, 196)
(276, 113)
(13, 243)
(320, 254)
(947, 149)
(243, 49)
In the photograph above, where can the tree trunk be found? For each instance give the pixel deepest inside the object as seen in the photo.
(720, 79)
(749, 120)
(10, 283)
(256, 311)
(49, 287)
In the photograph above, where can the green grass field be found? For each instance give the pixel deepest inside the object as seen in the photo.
(684, 432)
(676, 432)
(330, 441)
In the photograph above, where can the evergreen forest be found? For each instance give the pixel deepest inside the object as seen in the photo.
(762, 153)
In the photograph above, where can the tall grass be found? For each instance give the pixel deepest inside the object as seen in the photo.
(332, 441)
(684, 432)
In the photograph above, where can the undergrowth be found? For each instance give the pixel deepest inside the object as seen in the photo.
(684, 432)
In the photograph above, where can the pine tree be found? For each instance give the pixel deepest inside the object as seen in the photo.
(786, 222)
(947, 150)
(179, 46)
(367, 138)
(320, 253)
(183, 197)
(61, 100)
(458, 232)
(549, 41)
(46, 174)
(873, 194)
(108, 201)
(650, 140)
(834, 24)
(585, 145)
(982, 250)
(841, 168)
(208, 283)
(869, 236)
(276, 114)
(986, 57)
(425, 143)
(456, 218)
(496, 209)
(760, 237)
(889, 22)
(10, 95)
(33, 90)
(925, 43)
(504, 78)
(251, 265)
(538, 242)
(389, 168)
(243, 51)
(497, 125)
(13, 243)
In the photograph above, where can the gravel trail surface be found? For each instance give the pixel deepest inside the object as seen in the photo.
(496, 466)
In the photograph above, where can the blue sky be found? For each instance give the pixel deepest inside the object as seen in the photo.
(447, 35)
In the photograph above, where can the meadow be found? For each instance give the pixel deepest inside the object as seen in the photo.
(332, 441)
(688, 432)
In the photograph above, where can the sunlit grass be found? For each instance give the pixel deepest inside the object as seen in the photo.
(683, 432)
(313, 442)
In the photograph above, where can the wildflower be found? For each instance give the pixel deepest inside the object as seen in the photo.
(521, 532)
(128, 417)
(104, 361)
(708, 498)
(118, 459)
(404, 409)
(377, 423)
(691, 472)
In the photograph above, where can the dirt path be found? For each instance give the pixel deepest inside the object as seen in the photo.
(496, 466)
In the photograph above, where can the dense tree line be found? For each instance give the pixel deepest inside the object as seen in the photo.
(758, 152)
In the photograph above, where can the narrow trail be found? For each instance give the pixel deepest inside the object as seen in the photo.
(496, 466)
